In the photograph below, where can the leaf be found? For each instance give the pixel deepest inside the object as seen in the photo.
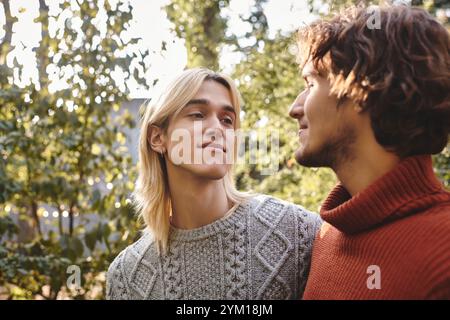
(100, 231)
(90, 239)
(106, 231)
(96, 198)
(95, 149)
(77, 246)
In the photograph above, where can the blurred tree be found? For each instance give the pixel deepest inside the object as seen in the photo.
(63, 146)
(324, 7)
(202, 27)
(431, 5)
(258, 23)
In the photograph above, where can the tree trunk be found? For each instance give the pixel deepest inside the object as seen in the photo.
(33, 213)
(71, 220)
(42, 50)
(60, 224)
(9, 21)
(6, 42)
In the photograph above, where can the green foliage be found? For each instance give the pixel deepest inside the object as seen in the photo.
(442, 166)
(203, 28)
(27, 268)
(57, 143)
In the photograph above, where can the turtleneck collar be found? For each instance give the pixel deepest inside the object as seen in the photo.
(410, 187)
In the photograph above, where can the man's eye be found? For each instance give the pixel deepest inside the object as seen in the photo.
(227, 120)
(196, 115)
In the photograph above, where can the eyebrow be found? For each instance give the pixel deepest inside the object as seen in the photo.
(312, 73)
(207, 102)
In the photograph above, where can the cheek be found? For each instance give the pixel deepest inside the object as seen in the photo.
(182, 130)
(313, 98)
(320, 109)
(230, 138)
(310, 108)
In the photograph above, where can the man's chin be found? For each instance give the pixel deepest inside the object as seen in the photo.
(306, 159)
(210, 171)
(299, 156)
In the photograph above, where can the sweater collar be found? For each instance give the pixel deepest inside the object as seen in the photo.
(230, 219)
(410, 187)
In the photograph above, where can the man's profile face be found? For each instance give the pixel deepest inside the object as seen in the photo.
(326, 131)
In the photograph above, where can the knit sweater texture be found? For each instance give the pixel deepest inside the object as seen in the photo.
(260, 251)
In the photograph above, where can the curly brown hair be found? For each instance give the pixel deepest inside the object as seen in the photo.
(399, 73)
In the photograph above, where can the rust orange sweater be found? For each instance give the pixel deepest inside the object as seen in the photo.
(390, 241)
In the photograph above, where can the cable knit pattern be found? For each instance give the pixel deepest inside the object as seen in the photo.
(117, 289)
(234, 247)
(172, 275)
(260, 251)
(272, 251)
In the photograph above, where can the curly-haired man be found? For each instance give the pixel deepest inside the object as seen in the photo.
(376, 107)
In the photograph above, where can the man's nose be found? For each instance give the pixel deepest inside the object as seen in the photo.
(296, 110)
(214, 128)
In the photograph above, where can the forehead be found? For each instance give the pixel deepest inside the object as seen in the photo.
(309, 69)
(213, 89)
(212, 94)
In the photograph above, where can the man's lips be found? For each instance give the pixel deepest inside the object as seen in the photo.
(214, 145)
(303, 125)
(302, 128)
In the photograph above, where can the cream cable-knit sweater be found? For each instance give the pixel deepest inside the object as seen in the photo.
(261, 251)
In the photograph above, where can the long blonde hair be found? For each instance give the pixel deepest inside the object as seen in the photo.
(151, 196)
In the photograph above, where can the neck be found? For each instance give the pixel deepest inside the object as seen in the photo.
(196, 201)
(369, 163)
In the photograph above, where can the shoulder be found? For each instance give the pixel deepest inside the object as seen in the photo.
(432, 253)
(430, 228)
(267, 205)
(123, 273)
(433, 227)
(275, 210)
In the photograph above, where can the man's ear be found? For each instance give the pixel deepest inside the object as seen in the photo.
(155, 137)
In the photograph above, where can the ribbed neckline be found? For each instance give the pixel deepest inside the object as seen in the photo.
(212, 228)
(410, 187)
